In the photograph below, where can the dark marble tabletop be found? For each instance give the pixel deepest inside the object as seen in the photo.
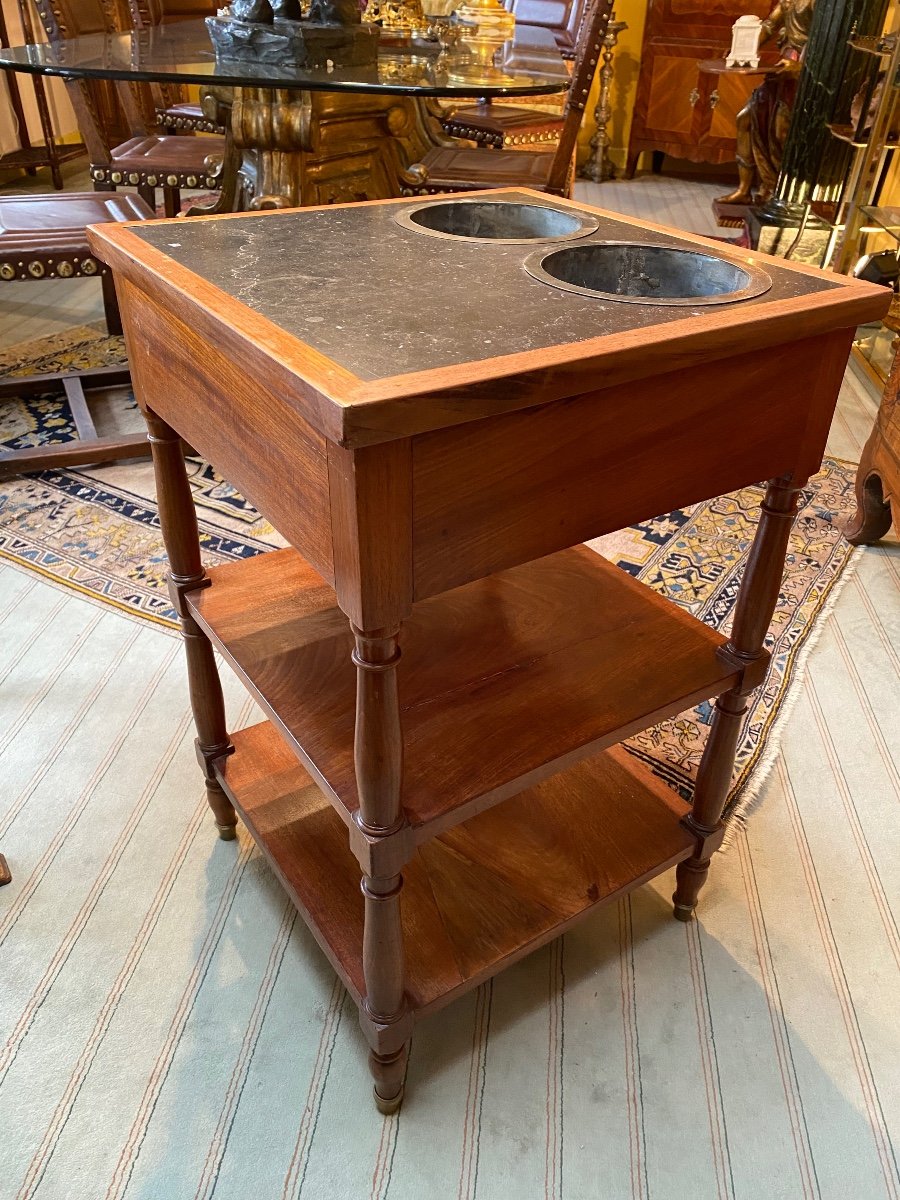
(380, 299)
(182, 53)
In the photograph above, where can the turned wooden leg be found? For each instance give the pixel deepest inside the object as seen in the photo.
(753, 614)
(872, 519)
(710, 794)
(378, 754)
(178, 520)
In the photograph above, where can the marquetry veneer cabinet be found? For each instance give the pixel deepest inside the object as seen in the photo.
(446, 671)
(679, 109)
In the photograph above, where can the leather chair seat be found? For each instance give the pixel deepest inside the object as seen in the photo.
(44, 237)
(186, 117)
(502, 126)
(161, 161)
(452, 169)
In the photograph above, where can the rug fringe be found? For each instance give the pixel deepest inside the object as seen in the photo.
(759, 776)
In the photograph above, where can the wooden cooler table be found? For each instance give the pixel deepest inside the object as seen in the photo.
(446, 670)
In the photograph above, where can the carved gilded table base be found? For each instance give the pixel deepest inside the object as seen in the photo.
(307, 148)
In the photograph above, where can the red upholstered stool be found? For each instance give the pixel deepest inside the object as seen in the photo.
(43, 237)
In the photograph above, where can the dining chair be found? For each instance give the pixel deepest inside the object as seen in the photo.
(175, 114)
(43, 237)
(466, 169)
(497, 125)
(143, 161)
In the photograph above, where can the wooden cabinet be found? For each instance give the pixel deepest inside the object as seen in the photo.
(680, 110)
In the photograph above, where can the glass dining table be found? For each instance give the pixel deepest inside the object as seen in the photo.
(314, 135)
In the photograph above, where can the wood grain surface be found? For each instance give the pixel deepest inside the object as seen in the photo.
(479, 897)
(501, 683)
(352, 412)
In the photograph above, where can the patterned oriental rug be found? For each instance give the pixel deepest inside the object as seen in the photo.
(96, 531)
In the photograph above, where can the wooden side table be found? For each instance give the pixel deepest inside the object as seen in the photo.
(446, 671)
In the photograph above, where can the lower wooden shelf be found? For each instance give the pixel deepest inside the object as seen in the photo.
(481, 895)
(502, 682)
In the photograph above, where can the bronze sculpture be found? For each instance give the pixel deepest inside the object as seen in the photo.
(276, 31)
(762, 124)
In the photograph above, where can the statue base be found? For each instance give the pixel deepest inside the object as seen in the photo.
(730, 216)
(776, 234)
(294, 43)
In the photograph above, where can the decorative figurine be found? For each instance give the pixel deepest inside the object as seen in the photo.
(333, 12)
(762, 124)
(745, 35)
(397, 16)
(275, 31)
(290, 10)
(258, 11)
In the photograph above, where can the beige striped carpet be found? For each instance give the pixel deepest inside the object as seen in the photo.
(170, 1030)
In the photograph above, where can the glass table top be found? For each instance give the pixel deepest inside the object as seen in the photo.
(887, 220)
(530, 64)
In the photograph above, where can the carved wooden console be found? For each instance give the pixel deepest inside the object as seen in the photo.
(878, 476)
(446, 671)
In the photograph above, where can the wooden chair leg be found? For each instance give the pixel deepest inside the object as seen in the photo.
(753, 615)
(148, 195)
(378, 756)
(111, 304)
(172, 201)
(178, 520)
(5, 873)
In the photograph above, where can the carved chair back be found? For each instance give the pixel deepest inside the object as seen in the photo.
(147, 13)
(562, 17)
(108, 113)
(587, 55)
(103, 119)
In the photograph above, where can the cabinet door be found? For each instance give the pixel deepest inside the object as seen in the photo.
(726, 98)
(672, 96)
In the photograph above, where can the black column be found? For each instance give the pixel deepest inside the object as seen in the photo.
(815, 162)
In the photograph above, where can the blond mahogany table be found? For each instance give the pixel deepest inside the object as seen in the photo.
(435, 432)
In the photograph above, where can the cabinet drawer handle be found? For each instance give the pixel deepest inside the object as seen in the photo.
(714, 99)
(693, 97)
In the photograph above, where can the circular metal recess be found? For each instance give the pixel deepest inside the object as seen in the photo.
(647, 273)
(503, 222)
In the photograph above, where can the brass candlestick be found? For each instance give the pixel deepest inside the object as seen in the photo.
(493, 21)
(598, 167)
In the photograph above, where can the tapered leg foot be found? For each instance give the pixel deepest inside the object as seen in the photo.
(690, 877)
(5, 873)
(389, 1073)
(223, 811)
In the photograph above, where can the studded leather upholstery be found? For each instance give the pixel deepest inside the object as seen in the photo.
(161, 162)
(44, 236)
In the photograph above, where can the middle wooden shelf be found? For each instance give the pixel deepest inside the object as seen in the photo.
(503, 682)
